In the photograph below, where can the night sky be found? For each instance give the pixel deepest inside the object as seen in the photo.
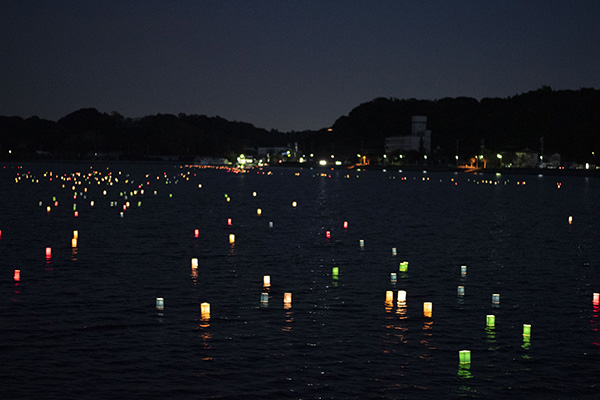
(287, 65)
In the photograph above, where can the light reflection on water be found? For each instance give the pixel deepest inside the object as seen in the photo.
(338, 340)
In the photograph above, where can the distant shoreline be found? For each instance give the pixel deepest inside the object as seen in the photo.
(391, 168)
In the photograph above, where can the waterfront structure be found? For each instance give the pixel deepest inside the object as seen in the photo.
(419, 139)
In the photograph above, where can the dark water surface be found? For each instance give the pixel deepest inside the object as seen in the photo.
(84, 324)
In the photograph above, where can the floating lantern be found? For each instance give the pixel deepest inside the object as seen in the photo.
(345, 224)
(495, 298)
(267, 280)
(196, 233)
(427, 309)
(287, 299)
(264, 298)
(0, 234)
(393, 277)
(361, 242)
(464, 356)
(258, 211)
(194, 263)
(461, 290)
(75, 234)
(570, 220)
(229, 221)
(92, 203)
(463, 270)
(335, 271)
(160, 303)
(56, 204)
(270, 224)
(394, 251)
(328, 234)
(389, 296)
(401, 296)
(76, 214)
(294, 204)
(228, 199)
(74, 207)
(596, 299)
(231, 238)
(253, 194)
(17, 275)
(121, 213)
(205, 310)
(48, 209)
(73, 242)
(48, 252)
(490, 320)
(403, 266)
(526, 330)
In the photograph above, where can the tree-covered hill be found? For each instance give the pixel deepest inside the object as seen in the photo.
(567, 120)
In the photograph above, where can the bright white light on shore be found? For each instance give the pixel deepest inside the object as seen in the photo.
(322, 162)
(338, 163)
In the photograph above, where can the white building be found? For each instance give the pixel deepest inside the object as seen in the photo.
(419, 139)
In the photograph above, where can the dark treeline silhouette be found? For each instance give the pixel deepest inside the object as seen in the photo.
(567, 120)
(87, 133)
